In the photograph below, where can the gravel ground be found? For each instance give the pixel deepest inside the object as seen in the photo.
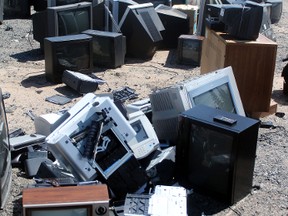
(22, 75)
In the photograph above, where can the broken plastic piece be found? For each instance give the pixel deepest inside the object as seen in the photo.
(58, 99)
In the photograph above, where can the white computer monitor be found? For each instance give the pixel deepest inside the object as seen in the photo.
(146, 140)
(217, 89)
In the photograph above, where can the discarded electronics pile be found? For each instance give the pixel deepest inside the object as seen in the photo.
(103, 145)
(94, 143)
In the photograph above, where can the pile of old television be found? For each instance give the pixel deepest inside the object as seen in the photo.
(191, 136)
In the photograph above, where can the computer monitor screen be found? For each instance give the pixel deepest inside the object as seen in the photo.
(109, 48)
(70, 52)
(189, 49)
(210, 154)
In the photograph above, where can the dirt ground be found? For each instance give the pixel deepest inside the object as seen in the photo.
(22, 70)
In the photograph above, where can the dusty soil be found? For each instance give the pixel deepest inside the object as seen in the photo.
(22, 70)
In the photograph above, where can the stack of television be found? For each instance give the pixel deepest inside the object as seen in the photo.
(217, 89)
(241, 19)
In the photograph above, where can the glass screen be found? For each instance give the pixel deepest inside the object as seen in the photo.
(62, 212)
(73, 56)
(101, 50)
(191, 50)
(219, 98)
(73, 21)
(139, 129)
(210, 158)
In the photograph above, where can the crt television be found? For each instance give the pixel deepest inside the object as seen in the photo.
(109, 48)
(70, 52)
(85, 200)
(62, 20)
(215, 152)
(172, 19)
(189, 49)
(5, 159)
(142, 27)
(216, 89)
(242, 21)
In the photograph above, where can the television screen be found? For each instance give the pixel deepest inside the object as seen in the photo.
(70, 52)
(62, 20)
(60, 211)
(217, 89)
(146, 140)
(5, 159)
(189, 49)
(242, 21)
(219, 98)
(109, 48)
(142, 27)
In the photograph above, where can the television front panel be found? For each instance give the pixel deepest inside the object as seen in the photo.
(215, 152)
(69, 19)
(189, 49)
(70, 52)
(242, 21)
(109, 48)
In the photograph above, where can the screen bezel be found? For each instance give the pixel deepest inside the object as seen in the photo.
(29, 210)
(215, 79)
(52, 16)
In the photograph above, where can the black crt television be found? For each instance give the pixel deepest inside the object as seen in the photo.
(109, 48)
(142, 27)
(215, 153)
(241, 21)
(62, 20)
(5, 156)
(189, 49)
(175, 23)
(70, 52)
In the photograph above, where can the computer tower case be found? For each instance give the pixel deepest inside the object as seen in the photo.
(215, 153)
